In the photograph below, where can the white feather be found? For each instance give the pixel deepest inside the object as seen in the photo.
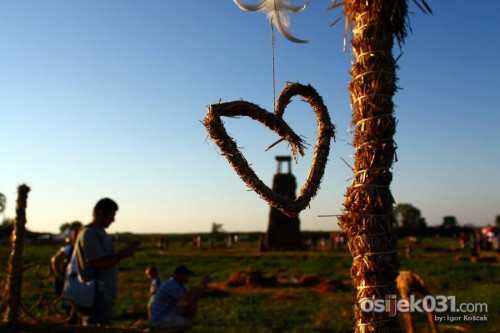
(278, 12)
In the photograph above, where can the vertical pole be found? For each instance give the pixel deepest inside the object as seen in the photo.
(368, 220)
(15, 265)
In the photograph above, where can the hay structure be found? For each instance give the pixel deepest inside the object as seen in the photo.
(368, 219)
(410, 283)
(14, 279)
(283, 231)
(274, 121)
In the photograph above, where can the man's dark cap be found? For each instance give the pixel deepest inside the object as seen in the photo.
(182, 269)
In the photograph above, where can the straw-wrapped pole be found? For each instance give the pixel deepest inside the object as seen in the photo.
(367, 218)
(15, 265)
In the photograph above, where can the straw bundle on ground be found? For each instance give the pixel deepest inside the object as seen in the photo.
(251, 278)
(331, 285)
(274, 121)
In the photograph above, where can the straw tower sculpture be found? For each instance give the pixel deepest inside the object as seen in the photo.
(283, 231)
(367, 219)
(15, 265)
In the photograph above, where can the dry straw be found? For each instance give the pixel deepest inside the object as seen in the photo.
(410, 283)
(14, 280)
(274, 121)
(367, 218)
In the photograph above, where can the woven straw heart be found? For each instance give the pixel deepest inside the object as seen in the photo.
(274, 121)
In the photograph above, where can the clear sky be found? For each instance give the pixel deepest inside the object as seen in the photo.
(105, 98)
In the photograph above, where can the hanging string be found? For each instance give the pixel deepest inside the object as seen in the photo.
(273, 39)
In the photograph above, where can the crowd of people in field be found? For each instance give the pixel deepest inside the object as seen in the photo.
(487, 238)
(90, 259)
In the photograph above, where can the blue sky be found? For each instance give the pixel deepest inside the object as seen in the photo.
(105, 98)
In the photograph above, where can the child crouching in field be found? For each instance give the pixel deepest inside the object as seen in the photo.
(173, 308)
(152, 273)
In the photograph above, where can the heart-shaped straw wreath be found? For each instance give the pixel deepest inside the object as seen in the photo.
(274, 121)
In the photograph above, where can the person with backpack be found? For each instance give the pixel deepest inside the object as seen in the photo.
(59, 261)
(97, 259)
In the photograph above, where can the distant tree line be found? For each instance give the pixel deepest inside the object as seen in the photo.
(69, 225)
(409, 221)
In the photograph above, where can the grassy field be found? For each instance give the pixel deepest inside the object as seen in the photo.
(284, 307)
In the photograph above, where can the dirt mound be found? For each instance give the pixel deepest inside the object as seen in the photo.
(309, 280)
(254, 278)
(330, 285)
(250, 277)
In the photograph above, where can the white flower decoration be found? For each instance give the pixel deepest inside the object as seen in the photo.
(278, 12)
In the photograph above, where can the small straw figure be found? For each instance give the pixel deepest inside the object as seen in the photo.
(409, 283)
